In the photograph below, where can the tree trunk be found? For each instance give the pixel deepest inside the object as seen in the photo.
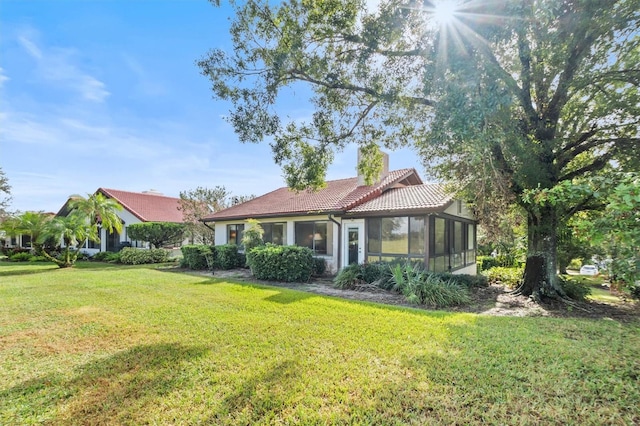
(540, 274)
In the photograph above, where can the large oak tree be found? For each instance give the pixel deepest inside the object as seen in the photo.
(506, 98)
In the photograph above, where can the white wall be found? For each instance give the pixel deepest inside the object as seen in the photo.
(333, 239)
(460, 209)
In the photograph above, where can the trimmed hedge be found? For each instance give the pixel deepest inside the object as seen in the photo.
(194, 256)
(281, 263)
(227, 257)
(134, 256)
(319, 266)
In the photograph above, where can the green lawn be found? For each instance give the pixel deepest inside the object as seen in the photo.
(101, 344)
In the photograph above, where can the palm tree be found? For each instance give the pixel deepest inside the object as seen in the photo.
(27, 223)
(100, 210)
(73, 230)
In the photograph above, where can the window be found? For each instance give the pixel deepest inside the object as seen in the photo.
(395, 238)
(234, 234)
(452, 244)
(274, 233)
(317, 236)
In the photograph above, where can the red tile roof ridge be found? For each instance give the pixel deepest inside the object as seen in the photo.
(117, 194)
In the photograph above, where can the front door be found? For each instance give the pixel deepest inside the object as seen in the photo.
(353, 238)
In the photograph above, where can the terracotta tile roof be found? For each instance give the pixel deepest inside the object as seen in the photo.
(429, 196)
(148, 207)
(338, 196)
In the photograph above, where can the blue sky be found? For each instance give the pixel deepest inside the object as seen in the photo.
(107, 94)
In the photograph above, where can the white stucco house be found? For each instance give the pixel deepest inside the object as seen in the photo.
(138, 207)
(350, 222)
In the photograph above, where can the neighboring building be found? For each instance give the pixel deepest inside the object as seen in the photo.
(349, 222)
(138, 207)
(21, 241)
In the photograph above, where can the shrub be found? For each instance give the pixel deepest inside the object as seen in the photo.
(575, 289)
(194, 256)
(227, 257)
(575, 264)
(281, 263)
(133, 256)
(420, 287)
(20, 257)
(349, 277)
(509, 277)
(319, 266)
(106, 256)
(469, 281)
(486, 262)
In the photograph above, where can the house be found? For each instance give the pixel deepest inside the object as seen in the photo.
(138, 207)
(399, 217)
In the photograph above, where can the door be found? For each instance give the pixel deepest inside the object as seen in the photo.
(353, 242)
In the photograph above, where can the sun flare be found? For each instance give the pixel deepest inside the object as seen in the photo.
(444, 11)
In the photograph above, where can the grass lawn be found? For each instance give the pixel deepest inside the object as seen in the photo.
(103, 344)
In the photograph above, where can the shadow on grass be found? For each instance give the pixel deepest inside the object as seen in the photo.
(257, 397)
(25, 268)
(106, 390)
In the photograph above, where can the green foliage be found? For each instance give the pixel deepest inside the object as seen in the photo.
(159, 234)
(349, 277)
(575, 288)
(505, 111)
(486, 262)
(252, 237)
(135, 256)
(227, 257)
(106, 256)
(575, 264)
(281, 263)
(465, 280)
(420, 287)
(509, 277)
(195, 256)
(21, 257)
(319, 266)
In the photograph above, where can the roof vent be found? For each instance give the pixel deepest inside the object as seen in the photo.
(152, 192)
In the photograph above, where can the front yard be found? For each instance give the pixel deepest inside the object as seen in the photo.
(105, 344)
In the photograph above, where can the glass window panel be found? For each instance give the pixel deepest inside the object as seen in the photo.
(374, 244)
(417, 231)
(471, 257)
(395, 235)
(274, 233)
(304, 234)
(471, 236)
(457, 237)
(320, 238)
(439, 233)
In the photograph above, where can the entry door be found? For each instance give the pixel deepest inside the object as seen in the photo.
(353, 242)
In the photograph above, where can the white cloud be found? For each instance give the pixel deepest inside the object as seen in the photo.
(3, 77)
(59, 65)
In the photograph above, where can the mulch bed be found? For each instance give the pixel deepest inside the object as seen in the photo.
(495, 300)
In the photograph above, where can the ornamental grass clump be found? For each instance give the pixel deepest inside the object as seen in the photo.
(421, 288)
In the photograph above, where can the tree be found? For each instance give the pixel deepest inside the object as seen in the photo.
(30, 224)
(4, 199)
(198, 203)
(159, 234)
(508, 96)
(99, 210)
(73, 230)
(615, 231)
